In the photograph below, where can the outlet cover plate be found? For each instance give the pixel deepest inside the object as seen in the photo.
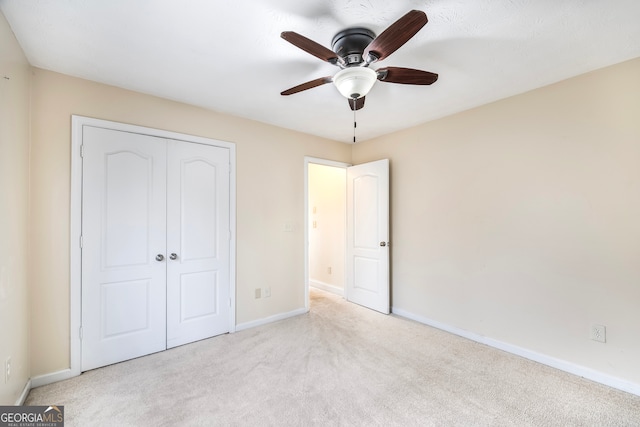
(599, 333)
(7, 370)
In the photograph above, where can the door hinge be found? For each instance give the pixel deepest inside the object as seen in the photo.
(229, 302)
(81, 241)
(80, 332)
(82, 150)
(229, 235)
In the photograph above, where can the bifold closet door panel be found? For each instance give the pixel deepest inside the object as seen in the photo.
(198, 239)
(123, 246)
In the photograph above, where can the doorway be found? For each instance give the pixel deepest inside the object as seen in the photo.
(325, 225)
(355, 230)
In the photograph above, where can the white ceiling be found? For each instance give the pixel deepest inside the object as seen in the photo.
(228, 56)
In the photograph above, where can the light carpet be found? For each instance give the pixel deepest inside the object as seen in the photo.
(338, 365)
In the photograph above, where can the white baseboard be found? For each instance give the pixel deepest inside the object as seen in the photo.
(24, 394)
(53, 377)
(553, 362)
(270, 319)
(327, 287)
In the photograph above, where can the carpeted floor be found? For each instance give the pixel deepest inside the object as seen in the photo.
(339, 365)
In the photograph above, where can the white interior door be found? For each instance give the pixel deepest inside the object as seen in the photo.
(123, 229)
(198, 238)
(368, 235)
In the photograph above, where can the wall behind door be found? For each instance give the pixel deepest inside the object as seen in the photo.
(520, 220)
(327, 226)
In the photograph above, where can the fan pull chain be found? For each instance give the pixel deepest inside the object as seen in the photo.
(354, 120)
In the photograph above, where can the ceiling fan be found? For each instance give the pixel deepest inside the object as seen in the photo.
(355, 49)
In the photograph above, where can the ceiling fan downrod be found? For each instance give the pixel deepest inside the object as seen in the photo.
(354, 118)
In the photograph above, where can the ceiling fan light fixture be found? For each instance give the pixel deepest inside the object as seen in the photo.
(355, 82)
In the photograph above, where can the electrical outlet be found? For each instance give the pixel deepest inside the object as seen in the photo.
(329, 270)
(7, 370)
(258, 293)
(599, 333)
(266, 292)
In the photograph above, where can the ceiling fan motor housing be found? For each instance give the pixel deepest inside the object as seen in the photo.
(350, 43)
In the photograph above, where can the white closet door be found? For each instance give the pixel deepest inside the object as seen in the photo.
(123, 230)
(198, 239)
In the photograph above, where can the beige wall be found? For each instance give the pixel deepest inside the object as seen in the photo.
(270, 193)
(327, 207)
(14, 190)
(520, 220)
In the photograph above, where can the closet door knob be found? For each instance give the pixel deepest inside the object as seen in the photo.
(173, 256)
(159, 257)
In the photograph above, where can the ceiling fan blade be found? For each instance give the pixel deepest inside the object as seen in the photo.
(359, 103)
(395, 36)
(407, 76)
(310, 46)
(308, 85)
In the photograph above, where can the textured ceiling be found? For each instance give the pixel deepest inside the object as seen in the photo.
(228, 56)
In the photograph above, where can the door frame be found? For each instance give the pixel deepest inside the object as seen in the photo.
(75, 270)
(323, 162)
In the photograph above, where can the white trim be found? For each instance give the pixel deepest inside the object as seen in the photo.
(75, 256)
(53, 377)
(75, 303)
(270, 319)
(318, 161)
(553, 362)
(24, 394)
(336, 290)
(232, 243)
(325, 162)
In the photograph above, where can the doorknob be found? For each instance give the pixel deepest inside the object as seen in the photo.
(385, 244)
(173, 256)
(159, 257)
